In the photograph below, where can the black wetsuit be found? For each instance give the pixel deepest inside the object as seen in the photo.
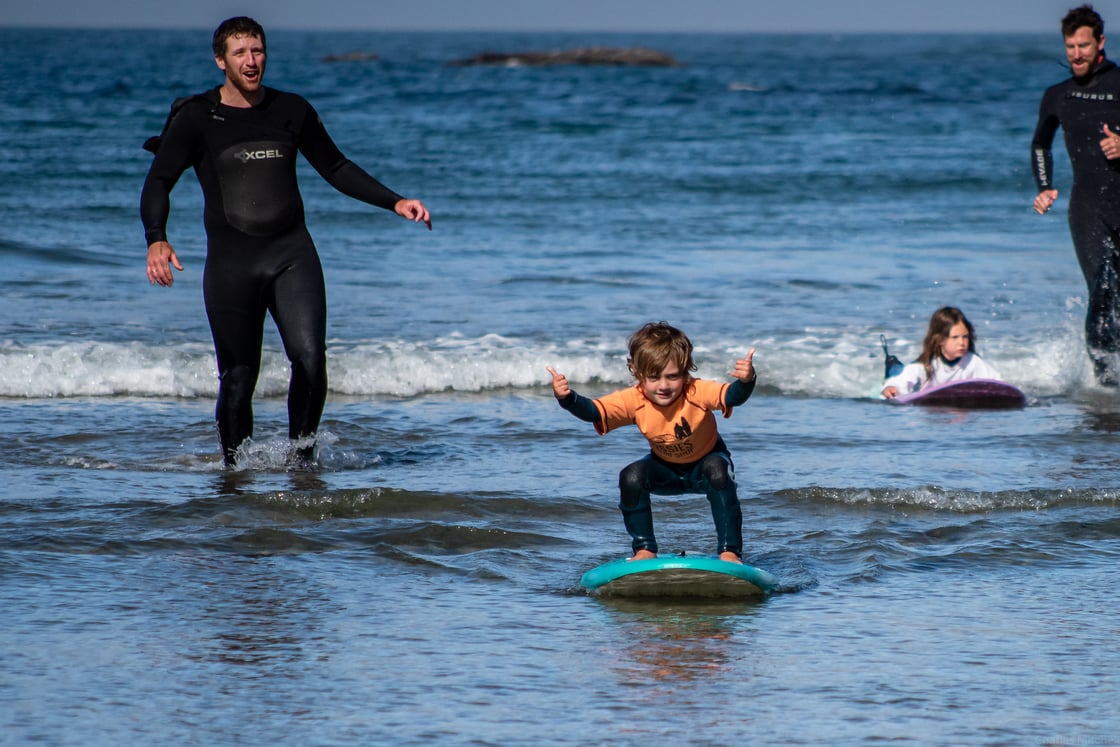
(1081, 107)
(259, 256)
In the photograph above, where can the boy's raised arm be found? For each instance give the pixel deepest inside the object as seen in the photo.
(582, 407)
(745, 377)
(560, 386)
(744, 367)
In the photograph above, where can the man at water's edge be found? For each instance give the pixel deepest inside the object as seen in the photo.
(242, 140)
(1087, 108)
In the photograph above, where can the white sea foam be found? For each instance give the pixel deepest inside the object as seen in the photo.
(819, 363)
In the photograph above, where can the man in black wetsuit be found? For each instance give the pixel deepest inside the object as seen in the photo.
(242, 140)
(1087, 107)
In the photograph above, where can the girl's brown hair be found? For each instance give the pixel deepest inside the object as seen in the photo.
(940, 325)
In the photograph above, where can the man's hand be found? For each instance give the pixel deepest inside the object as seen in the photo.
(160, 258)
(1044, 200)
(413, 210)
(1110, 145)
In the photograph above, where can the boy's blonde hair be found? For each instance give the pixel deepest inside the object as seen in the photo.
(656, 344)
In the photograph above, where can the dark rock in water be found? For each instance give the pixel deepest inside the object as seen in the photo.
(585, 56)
(352, 57)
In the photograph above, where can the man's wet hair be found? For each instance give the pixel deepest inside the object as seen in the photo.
(236, 26)
(1082, 15)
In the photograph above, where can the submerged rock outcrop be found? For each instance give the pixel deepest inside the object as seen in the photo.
(352, 57)
(639, 56)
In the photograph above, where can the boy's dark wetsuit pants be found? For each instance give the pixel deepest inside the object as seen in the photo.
(713, 475)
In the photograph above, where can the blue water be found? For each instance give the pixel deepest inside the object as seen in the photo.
(947, 577)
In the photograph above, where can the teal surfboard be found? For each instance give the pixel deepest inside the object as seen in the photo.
(678, 576)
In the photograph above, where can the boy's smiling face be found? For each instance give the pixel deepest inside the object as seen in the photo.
(665, 388)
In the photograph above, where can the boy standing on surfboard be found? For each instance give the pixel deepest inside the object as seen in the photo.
(674, 411)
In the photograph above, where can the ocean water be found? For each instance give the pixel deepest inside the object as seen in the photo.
(947, 577)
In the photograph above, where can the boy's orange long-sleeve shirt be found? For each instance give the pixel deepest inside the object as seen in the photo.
(681, 433)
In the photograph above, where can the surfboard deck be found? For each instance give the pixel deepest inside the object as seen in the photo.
(681, 576)
(971, 393)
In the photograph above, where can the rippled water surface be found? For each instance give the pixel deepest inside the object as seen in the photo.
(947, 577)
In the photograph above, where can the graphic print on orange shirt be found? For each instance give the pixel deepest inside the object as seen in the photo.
(683, 432)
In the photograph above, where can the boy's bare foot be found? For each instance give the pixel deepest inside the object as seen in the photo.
(730, 557)
(644, 555)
